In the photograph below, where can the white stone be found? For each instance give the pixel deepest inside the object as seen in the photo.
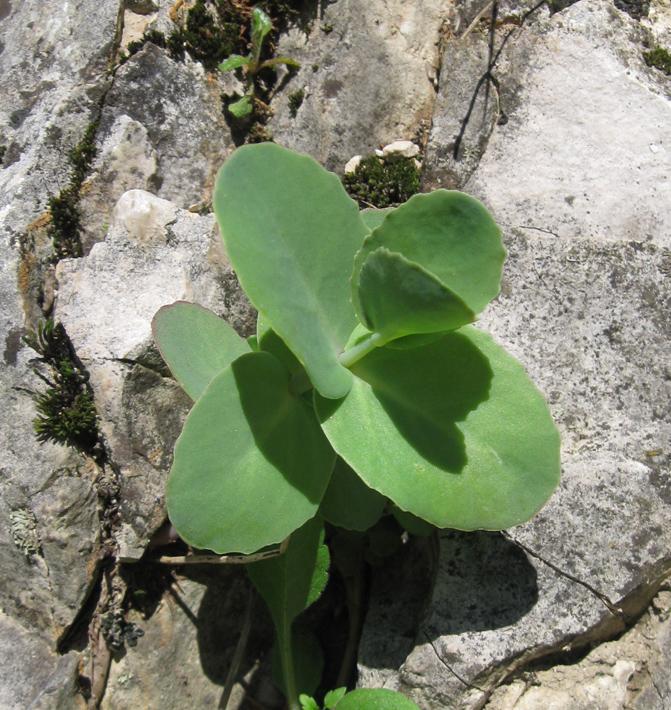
(353, 164)
(398, 150)
(144, 216)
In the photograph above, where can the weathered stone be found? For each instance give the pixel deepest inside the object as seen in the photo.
(188, 643)
(364, 72)
(154, 254)
(52, 74)
(31, 675)
(603, 118)
(179, 105)
(125, 161)
(632, 672)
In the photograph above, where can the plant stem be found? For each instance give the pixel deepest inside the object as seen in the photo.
(239, 650)
(286, 655)
(355, 586)
(349, 357)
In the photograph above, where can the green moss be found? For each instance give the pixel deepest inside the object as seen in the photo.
(259, 134)
(658, 58)
(65, 218)
(378, 184)
(3, 150)
(295, 101)
(66, 413)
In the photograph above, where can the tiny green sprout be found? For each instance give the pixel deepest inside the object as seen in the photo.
(366, 391)
(252, 64)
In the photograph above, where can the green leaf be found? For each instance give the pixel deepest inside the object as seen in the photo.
(348, 502)
(307, 703)
(234, 61)
(411, 523)
(251, 464)
(261, 25)
(308, 660)
(196, 344)
(290, 582)
(291, 63)
(332, 697)
(453, 432)
(243, 107)
(373, 217)
(399, 298)
(291, 233)
(375, 699)
(270, 342)
(449, 234)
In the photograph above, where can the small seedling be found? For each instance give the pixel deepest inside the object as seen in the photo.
(252, 64)
(365, 389)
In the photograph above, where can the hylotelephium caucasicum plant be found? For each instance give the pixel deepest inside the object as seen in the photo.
(366, 386)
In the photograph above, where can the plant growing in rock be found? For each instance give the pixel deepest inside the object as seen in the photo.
(252, 64)
(365, 389)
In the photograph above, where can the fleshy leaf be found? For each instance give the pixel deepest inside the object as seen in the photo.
(234, 61)
(373, 217)
(449, 234)
(399, 298)
(453, 432)
(374, 699)
(196, 344)
(270, 342)
(291, 233)
(251, 464)
(290, 582)
(348, 502)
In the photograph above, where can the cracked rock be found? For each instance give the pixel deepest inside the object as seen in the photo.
(365, 73)
(153, 254)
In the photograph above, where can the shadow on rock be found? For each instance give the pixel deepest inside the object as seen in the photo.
(484, 582)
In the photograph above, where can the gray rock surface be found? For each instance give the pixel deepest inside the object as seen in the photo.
(631, 672)
(192, 631)
(52, 74)
(571, 156)
(153, 254)
(366, 69)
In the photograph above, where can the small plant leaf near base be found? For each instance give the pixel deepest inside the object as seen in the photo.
(453, 432)
(348, 502)
(196, 344)
(251, 464)
(450, 235)
(289, 584)
(374, 699)
(291, 233)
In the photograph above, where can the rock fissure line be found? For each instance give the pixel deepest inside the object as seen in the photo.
(449, 668)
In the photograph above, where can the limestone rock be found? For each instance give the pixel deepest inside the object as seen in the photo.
(632, 672)
(52, 74)
(179, 106)
(352, 164)
(153, 254)
(366, 73)
(604, 120)
(188, 643)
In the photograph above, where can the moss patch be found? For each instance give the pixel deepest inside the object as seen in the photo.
(65, 218)
(295, 101)
(378, 184)
(659, 59)
(66, 413)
